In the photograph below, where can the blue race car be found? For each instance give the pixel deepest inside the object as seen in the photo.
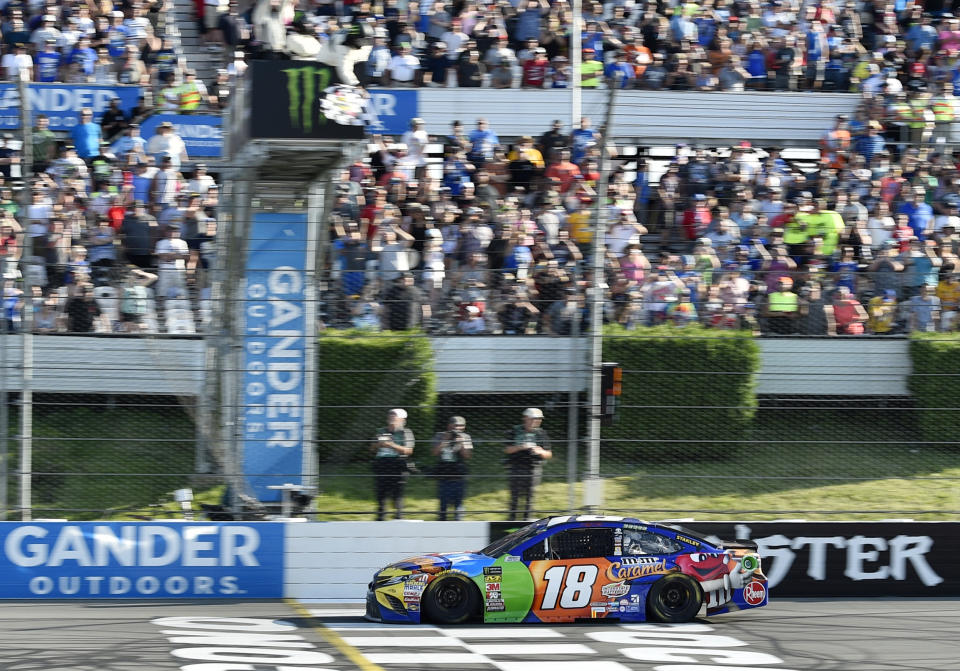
(563, 569)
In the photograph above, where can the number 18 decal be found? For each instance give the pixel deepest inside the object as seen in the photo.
(572, 584)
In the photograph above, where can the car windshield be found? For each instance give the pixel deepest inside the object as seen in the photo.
(500, 546)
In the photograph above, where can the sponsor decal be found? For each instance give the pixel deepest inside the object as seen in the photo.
(493, 587)
(635, 527)
(597, 611)
(615, 590)
(493, 570)
(87, 560)
(618, 571)
(495, 607)
(633, 561)
(688, 540)
(754, 593)
(511, 558)
(293, 100)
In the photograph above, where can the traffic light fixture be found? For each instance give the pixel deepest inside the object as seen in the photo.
(611, 383)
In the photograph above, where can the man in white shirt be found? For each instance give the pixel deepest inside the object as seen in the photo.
(172, 254)
(403, 67)
(16, 61)
(201, 181)
(167, 143)
(416, 140)
(951, 218)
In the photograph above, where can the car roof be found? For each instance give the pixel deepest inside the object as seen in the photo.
(549, 522)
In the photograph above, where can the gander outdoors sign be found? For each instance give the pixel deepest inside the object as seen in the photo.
(116, 560)
(201, 133)
(63, 102)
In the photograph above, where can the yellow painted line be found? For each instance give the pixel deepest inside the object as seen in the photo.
(333, 638)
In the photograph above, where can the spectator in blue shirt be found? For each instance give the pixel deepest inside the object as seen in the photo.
(46, 64)
(528, 20)
(921, 35)
(581, 139)
(86, 135)
(117, 35)
(620, 71)
(84, 55)
(872, 143)
(482, 143)
(919, 213)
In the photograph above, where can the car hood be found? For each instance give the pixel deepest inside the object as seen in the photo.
(469, 563)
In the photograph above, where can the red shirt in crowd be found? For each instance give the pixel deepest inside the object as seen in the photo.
(535, 72)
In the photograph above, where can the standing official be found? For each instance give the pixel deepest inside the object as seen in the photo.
(391, 447)
(528, 446)
(453, 449)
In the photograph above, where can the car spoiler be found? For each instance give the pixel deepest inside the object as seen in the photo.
(740, 544)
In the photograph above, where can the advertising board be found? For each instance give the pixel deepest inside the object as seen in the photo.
(62, 102)
(155, 560)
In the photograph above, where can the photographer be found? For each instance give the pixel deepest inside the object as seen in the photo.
(453, 449)
(391, 447)
(528, 446)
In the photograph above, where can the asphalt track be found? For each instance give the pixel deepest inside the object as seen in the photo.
(847, 635)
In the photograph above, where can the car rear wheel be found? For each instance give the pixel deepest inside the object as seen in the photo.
(675, 598)
(451, 600)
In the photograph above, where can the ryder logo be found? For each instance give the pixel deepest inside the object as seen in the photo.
(754, 593)
(303, 85)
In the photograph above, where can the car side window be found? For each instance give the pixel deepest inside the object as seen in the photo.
(636, 542)
(582, 543)
(537, 552)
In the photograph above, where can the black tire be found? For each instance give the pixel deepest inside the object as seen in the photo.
(452, 599)
(676, 598)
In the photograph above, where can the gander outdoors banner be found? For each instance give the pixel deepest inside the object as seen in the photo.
(63, 102)
(277, 323)
(138, 560)
(201, 133)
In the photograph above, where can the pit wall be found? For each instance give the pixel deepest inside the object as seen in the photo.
(334, 561)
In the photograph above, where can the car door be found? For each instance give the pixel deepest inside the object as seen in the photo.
(570, 574)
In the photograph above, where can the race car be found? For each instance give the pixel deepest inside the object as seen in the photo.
(564, 569)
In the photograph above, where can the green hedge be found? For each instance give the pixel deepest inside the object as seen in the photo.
(935, 383)
(360, 376)
(682, 390)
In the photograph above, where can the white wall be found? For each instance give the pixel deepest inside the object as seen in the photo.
(839, 366)
(645, 115)
(111, 365)
(334, 561)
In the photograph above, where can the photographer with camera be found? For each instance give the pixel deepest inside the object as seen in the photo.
(391, 447)
(528, 446)
(453, 449)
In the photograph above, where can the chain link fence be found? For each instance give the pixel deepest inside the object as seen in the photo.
(710, 424)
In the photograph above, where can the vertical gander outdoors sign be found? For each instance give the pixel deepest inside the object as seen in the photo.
(277, 321)
(138, 560)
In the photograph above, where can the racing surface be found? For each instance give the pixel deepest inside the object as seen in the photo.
(848, 635)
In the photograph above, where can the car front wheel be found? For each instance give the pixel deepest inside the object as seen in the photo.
(675, 598)
(451, 600)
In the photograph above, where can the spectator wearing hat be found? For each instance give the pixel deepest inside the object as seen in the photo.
(848, 314)
(525, 163)
(47, 62)
(192, 93)
(453, 449)
(167, 144)
(535, 69)
(591, 69)
(392, 446)
(882, 312)
(130, 143)
(527, 447)
(404, 68)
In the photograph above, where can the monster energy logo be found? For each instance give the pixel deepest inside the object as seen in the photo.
(305, 80)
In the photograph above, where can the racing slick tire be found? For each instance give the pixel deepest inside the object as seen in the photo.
(676, 598)
(452, 599)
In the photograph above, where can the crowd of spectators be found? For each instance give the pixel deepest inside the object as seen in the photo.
(117, 237)
(728, 45)
(498, 239)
